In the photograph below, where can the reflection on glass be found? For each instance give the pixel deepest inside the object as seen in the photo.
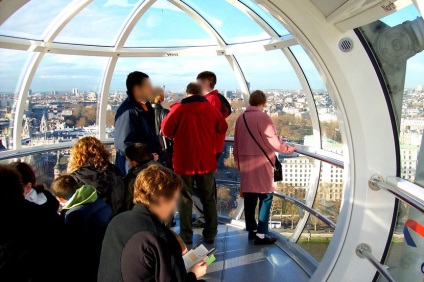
(315, 237)
(284, 216)
(402, 68)
(224, 17)
(12, 66)
(165, 25)
(63, 101)
(330, 130)
(278, 28)
(330, 192)
(271, 72)
(32, 20)
(171, 73)
(97, 24)
(394, 259)
(296, 178)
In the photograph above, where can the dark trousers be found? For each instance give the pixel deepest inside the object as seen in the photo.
(206, 190)
(196, 197)
(250, 202)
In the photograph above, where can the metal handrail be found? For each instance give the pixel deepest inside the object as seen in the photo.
(402, 189)
(329, 160)
(306, 208)
(364, 251)
(40, 149)
(292, 200)
(325, 159)
(66, 145)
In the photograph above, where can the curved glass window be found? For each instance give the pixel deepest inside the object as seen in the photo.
(64, 99)
(32, 20)
(171, 73)
(271, 72)
(224, 17)
(330, 129)
(12, 66)
(165, 25)
(281, 30)
(98, 24)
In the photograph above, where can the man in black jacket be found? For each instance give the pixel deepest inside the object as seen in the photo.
(135, 119)
(156, 194)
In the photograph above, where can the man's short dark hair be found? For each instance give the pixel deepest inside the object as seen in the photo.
(135, 78)
(139, 152)
(194, 89)
(64, 187)
(208, 75)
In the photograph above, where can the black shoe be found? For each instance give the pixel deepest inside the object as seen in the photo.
(252, 235)
(267, 240)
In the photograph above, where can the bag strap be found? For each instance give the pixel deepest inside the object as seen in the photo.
(251, 135)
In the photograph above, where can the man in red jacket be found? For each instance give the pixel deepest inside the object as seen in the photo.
(193, 125)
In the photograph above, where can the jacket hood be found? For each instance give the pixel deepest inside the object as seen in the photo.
(89, 173)
(196, 104)
(85, 195)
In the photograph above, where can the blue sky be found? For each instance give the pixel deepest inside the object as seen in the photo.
(162, 25)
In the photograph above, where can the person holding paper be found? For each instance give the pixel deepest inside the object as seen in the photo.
(156, 193)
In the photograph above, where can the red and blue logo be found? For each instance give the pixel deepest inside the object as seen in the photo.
(414, 226)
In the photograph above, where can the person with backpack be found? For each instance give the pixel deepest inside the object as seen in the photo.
(207, 80)
(160, 114)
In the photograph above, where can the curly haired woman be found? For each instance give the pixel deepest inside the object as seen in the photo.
(89, 165)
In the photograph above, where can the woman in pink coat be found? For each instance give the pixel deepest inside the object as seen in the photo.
(257, 173)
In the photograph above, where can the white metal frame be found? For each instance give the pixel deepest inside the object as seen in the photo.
(56, 26)
(220, 41)
(107, 78)
(315, 177)
(48, 46)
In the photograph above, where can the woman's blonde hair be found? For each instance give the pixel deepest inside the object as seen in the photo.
(159, 95)
(88, 150)
(154, 182)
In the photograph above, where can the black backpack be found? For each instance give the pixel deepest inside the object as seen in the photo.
(225, 106)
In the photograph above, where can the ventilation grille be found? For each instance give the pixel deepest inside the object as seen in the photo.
(345, 44)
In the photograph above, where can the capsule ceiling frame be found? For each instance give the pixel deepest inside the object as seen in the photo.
(39, 48)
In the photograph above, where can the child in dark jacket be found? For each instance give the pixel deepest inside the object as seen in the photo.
(86, 217)
(139, 157)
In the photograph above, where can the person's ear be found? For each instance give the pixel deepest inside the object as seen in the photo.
(27, 188)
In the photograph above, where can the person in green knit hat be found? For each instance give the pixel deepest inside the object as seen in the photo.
(85, 217)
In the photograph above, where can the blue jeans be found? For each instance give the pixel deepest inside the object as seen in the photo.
(250, 202)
